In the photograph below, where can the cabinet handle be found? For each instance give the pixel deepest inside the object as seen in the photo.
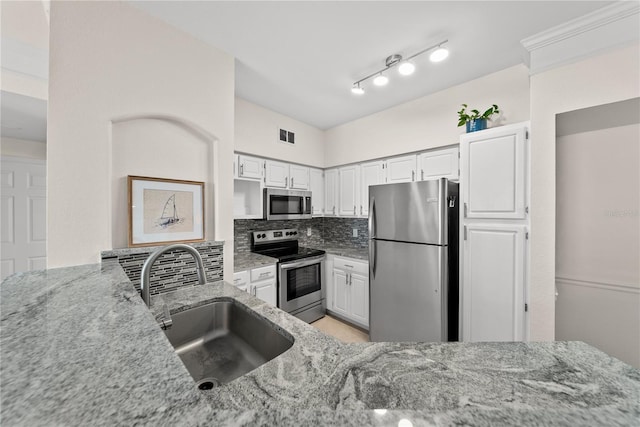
(354, 209)
(413, 175)
(286, 181)
(347, 265)
(361, 210)
(465, 210)
(291, 182)
(334, 210)
(241, 169)
(421, 174)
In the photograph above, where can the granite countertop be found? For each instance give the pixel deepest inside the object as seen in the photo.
(78, 346)
(248, 260)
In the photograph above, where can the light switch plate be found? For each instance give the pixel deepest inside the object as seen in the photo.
(308, 231)
(355, 232)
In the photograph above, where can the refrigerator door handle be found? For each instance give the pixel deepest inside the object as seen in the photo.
(372, 218)
(372, 257)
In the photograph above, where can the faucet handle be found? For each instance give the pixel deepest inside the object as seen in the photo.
(167, 322)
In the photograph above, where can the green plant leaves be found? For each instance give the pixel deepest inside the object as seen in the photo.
(464, 117)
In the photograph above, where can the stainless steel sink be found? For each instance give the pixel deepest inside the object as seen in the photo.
(223, 340)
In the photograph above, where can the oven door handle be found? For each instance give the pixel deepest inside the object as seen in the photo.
(307, 261)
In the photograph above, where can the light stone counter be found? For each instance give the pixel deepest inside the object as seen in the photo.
(78, 347)
(248, 260)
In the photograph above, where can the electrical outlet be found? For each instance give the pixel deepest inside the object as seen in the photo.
(309, 231)
(355, 232)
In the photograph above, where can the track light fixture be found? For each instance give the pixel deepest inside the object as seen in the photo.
(405, 66)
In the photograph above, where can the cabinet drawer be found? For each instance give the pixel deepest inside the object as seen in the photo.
(241, 278)
(263, 273)
(351, 265)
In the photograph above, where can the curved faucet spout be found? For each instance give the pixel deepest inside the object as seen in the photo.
(145, 275)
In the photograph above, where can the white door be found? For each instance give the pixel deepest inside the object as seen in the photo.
(359, 287)
(331, 191)
(348, 191)
(266, 291)
(401, 169)
(250, 167)
(316, 185)
(439, 164)
(276, 174)
(493, 166)
(371, 173)
(299, 176)
(24, 215)
(493, 295)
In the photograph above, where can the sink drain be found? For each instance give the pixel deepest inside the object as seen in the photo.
(209, 383)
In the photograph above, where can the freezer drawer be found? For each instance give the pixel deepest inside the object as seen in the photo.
(408, 295)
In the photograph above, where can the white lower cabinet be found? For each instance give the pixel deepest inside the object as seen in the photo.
(348, 290)
(259, 282)
(493, 290)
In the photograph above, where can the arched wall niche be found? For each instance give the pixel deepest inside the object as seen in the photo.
(159, 146)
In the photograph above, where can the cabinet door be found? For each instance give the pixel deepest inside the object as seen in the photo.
(316, 185)
(359, 287)
(299, 177)
(371, 173)
(348, 191)
(439, 164)
(340, 292)
(266, 291)
(493, 167)
(277, 174)
(331, 191)
(250, 167)
(401, 169)
(493, 303)
(328, 277)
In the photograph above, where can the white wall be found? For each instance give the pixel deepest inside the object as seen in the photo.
(257, 133)
(23, 148)
(109, 63)
(598, 240)
(603, 79)
(430, 121)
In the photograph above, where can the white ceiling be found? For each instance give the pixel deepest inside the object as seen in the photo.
(23, 117)
(300, 58)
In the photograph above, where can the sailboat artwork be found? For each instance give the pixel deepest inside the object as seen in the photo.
(168, 211)
(165, 210)
(169, 215)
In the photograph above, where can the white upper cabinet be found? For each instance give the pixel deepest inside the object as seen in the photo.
(348, 196)
(316, 185)
(331, 191)
(249, 167)
(299, 177)
(494, 168)
(401, 169)
(439, 164)
(371, 173)
(276, 174)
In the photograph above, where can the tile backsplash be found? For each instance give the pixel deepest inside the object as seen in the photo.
(324, 231)
(173, 269)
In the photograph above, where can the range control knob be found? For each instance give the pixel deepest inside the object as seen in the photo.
(294, 232)
(287, 233)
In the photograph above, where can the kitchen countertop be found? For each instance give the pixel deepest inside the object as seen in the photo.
(247, 260)
(78, 346)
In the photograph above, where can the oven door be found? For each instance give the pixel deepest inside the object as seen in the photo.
(301, 283)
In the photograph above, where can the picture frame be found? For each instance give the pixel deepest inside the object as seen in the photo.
(164, 211)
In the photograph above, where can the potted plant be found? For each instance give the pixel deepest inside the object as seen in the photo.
(473, 119)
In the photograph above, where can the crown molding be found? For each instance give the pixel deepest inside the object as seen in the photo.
(577, 26)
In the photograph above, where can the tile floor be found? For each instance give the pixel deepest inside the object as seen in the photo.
(340, 330)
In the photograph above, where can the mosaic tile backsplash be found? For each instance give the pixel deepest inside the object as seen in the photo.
(172, 270)
(324, 231)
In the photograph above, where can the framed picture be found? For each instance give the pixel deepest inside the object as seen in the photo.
(165, 211)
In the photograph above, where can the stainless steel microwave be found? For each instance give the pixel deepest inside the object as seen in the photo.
(286, 204)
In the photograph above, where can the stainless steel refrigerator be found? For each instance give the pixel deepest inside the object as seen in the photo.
(413, 261)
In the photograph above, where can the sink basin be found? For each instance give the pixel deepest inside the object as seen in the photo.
(222, 340)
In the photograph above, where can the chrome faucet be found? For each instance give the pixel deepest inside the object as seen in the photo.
(146, 268)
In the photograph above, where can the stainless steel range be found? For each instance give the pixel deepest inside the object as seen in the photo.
(301, 291)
